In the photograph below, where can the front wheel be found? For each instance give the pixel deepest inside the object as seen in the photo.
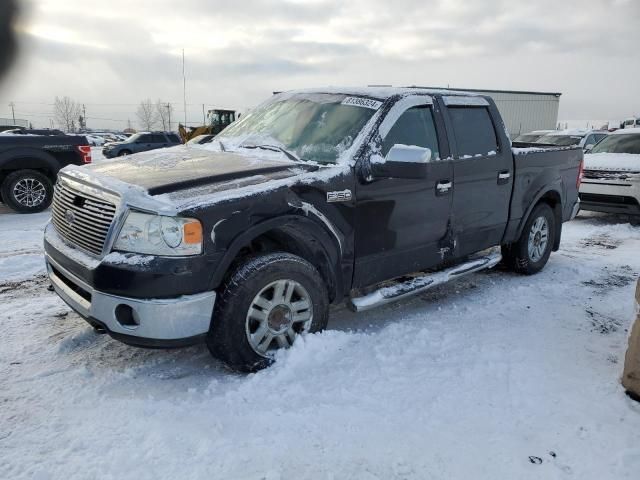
(531, 252)
(265, 304)
(27, 191)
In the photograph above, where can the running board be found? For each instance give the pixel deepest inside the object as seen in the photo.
(421, 283)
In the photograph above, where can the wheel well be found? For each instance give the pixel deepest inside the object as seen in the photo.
(45, 171)
(296, 242)
(552, 198)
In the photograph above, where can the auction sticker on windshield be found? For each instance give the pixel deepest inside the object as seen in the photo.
(362, 102)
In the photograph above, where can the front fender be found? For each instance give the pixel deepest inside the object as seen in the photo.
(323, 244)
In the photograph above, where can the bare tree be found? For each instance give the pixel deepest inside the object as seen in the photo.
(147, 114)
(66, 111)
(164, 111)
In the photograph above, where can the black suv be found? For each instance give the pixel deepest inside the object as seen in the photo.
(141, 142)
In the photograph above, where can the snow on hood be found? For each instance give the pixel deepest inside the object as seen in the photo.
(181, 177)
(619, 162)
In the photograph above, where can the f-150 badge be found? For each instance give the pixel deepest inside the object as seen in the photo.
(339, 196)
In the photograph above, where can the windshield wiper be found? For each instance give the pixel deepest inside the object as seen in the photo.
(276, 148)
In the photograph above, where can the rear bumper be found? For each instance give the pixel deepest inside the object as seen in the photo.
(166, 322)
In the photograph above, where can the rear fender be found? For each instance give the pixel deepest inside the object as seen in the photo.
(553, 198)
(23, 158)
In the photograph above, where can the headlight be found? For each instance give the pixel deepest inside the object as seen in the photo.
(159, 235)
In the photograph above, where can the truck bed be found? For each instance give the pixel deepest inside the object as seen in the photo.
(539, 168)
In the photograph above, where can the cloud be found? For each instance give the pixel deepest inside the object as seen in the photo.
(120, 52)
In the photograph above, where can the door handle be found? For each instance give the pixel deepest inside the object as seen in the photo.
(503, 177)
(443, 187)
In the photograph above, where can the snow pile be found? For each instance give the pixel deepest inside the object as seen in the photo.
(21, 244)
(495, 376)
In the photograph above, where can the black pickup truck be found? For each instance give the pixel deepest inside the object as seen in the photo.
(315, 197)
(29, 164)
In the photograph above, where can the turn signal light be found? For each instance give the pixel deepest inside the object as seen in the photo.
(192, 233)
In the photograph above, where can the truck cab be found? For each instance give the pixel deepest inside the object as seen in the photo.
(314, 197)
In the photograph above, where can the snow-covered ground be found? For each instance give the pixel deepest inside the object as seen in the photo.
(498, 376)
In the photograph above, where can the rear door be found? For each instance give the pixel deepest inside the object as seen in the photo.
(160, 140)
(401, 223)
(144, 143)
(482, 171)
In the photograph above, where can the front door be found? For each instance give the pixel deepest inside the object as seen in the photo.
(401, 224)
(483, 175)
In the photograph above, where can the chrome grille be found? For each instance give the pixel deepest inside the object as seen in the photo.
(82, 219)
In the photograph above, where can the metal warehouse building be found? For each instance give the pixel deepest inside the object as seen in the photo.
(523, 111)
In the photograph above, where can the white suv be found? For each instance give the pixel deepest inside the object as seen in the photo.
(611, 180)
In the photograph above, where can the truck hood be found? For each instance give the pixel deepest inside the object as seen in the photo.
(614, 162)
(179, 168)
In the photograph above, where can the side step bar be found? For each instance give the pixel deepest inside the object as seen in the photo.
(423, 282)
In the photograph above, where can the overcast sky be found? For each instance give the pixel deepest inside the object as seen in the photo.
(111, 54)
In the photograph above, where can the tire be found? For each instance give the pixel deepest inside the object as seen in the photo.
(124, 153)
(519, 256)
(27, 191)
(246, 315)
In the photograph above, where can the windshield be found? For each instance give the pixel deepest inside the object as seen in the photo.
(200, 139)
(528, 137)
(560, 140)
(625, 143)
(313, 127)
(133, 138)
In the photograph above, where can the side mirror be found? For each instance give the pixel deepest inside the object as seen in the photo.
(402, 161)
(588, 148)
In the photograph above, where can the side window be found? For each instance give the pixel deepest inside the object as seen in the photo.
(174, 138)
(145, 139)
(475, 134)
(600, 137)
(414, 127)
(591, 139)
(158, 139)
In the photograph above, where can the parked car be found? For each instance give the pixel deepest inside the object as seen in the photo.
(315, 197)
(633, 122)
(531, 136)
(141, 142)
(612, 174)
(29, 165)
(95, 140)
(584, 139)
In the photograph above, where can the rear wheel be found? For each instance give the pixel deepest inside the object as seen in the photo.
(531, 252)
(266, 303)
(27, 191)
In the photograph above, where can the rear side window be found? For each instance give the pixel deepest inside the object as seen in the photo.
(414, 127)
(174, 138)
(158, 139)
(474, 131)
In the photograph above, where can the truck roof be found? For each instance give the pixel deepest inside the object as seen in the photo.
(383, 93)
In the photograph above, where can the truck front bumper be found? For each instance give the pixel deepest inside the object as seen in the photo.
(161, 323)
